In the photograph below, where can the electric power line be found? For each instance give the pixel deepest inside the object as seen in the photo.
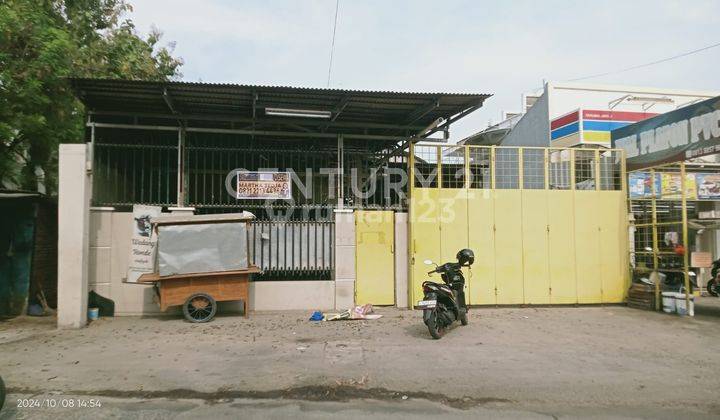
(646, 64)
(332, 45)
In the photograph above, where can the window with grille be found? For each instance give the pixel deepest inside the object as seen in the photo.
(426, 166)
(559, 169)
(534, 169)
(585, 169)
(479, 163)
(453, 167)
(507, 168)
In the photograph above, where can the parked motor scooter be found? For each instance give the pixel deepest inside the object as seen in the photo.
(675, 281)
(444, 303)
(712, 286)
(671, 275)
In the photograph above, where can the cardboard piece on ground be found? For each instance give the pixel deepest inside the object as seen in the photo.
(358, 312)
(339, 317)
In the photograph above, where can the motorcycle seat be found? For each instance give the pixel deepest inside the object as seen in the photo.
(441, 286)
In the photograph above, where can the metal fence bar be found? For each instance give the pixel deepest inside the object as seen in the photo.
(139, 167)
(292, 249)
(661, 205)
(128, 173)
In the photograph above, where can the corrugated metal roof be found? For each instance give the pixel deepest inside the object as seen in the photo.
(209, 85)
(195, 100)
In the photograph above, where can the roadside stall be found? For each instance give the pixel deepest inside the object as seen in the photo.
(674, 198)
(201, 260)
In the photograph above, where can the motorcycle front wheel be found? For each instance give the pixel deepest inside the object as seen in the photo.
(437, 330)
(463, 317)
(712, 287)
(2, 393)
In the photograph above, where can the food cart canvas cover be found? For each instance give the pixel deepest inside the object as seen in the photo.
(263, 185)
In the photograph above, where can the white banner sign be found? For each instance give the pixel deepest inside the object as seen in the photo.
(263, 185)
(143, 245)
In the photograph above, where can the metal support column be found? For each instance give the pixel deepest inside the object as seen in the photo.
(655, 249)
(597, 170)
(341, 171)
(411, 219)
(492, 167)
(468, 175)
(181, 181)
(686, 245)
(92, 142)
(572, 169)
(438, 156)
(546, 170)
(90, 164)
(521, 169)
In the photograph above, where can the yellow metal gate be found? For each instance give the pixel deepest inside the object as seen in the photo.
(547, 225)
(374, 253)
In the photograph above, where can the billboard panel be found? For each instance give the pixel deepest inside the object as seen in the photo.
(675, 136)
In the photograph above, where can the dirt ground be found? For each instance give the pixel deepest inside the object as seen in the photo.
(607, 359)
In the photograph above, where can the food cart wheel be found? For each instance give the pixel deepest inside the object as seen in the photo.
(200, 307)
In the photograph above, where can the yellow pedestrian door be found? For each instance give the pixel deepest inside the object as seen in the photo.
(374, 257)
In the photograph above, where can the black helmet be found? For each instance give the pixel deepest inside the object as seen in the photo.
(465, 256)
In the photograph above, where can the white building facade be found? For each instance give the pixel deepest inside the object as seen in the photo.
(573, 114)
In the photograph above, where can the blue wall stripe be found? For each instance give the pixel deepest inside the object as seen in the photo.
(603, 125)
(564, 131)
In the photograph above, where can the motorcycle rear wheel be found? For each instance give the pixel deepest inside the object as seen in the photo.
(437, 330)
(712, 288)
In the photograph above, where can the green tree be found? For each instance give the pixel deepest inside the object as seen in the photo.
(42, 44)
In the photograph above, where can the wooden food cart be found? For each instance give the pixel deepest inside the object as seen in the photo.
(199, 293)
(201, 260)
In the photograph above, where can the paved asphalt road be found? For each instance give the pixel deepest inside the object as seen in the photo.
(600, 362)
(410, 408)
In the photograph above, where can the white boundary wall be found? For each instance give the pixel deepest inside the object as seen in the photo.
(109, 247)
(110, 234)
(74, 186)
(94, 246)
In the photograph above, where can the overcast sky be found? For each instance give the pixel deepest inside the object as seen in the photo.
(499, 47)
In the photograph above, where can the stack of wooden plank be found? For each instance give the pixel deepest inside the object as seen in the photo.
(641, 296)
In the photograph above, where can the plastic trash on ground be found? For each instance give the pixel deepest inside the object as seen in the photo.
(358, 312)
(317, 316)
